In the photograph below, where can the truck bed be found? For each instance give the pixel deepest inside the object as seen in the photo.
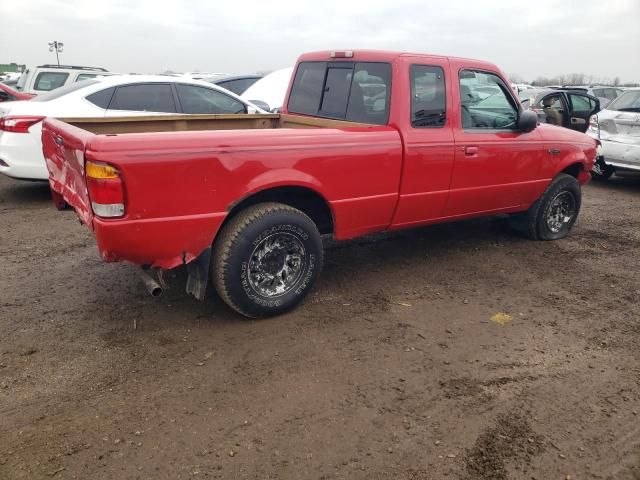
(193, 123)
(182, 175)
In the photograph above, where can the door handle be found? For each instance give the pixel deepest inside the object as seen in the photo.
(471, 151)
(578, 121)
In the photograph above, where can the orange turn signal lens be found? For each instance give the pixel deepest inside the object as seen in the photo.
(100, 170)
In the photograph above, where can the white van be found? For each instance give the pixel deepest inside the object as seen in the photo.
(45, 78)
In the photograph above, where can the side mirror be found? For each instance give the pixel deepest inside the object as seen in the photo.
(527, 121)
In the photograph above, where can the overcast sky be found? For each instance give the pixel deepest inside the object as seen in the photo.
(539, 37)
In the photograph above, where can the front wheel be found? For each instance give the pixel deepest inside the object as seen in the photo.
(554, 213)
(266, 259)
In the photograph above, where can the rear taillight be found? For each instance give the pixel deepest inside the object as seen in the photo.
(18, 124)
(105, 187)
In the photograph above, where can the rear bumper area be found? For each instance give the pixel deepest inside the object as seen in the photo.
(160, 242)
(21, 156)
(621, 155)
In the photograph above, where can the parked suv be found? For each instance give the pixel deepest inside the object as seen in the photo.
(45, 78)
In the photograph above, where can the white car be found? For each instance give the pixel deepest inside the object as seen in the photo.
(270, 89)
(114, 96)
(618, 129)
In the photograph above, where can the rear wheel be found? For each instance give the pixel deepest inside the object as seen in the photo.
(266, 260)
(554, 213)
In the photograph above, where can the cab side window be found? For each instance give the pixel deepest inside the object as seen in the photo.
(485, 102)
(428, 97)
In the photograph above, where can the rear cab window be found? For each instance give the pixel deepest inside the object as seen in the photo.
(351, 91)
(428, 97)
(46, 81)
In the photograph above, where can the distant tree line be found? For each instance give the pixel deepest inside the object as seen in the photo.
(572, 79)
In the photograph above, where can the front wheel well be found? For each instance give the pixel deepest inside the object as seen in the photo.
(574, 169)
(304, 199)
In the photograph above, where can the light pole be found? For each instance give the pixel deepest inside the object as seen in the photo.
(56, 46)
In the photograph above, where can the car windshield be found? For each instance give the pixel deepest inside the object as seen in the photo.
(59, 92)
(528, 94)
(629, 101)
(494, 99)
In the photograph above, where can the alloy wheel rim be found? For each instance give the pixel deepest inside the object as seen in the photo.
(561, 211)
(276, 264)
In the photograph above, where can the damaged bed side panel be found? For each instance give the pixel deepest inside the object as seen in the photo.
(160, 242)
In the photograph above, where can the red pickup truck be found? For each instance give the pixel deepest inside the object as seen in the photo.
(368, 141)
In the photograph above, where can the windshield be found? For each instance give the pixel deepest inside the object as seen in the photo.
(609, 93)
(629, 101)
(528, 94)
(59, 92)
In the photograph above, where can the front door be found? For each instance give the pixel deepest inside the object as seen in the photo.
(497, 167)
(581, 108)
(428, 143)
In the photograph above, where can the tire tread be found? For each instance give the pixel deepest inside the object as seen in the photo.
(533, 214)
(226, 239)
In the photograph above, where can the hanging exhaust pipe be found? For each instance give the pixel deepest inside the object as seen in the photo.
(150, 283)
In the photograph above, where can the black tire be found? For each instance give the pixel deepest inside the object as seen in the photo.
(266, 260)
(554, 213)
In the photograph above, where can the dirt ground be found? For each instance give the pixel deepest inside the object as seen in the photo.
(392, 368)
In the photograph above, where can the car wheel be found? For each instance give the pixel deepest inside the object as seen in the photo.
(554, 213)
(266, 259)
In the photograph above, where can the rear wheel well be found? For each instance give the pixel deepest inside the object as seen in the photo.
(574, 169)
(304, 199)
